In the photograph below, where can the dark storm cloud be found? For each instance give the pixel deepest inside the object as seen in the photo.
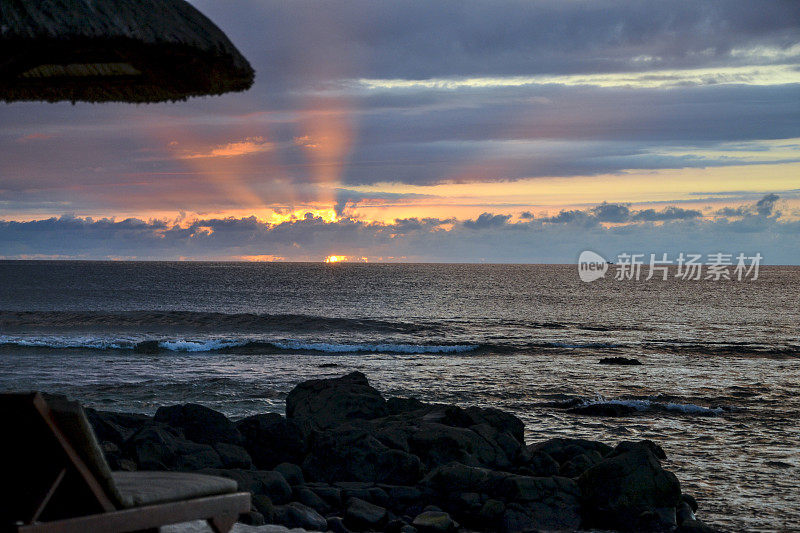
(411, 39)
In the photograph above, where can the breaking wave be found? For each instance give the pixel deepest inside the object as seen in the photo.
(222, 344)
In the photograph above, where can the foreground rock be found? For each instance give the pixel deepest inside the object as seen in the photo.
(346, 459)
(629, 361)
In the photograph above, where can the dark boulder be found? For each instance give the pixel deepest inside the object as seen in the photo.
(434, 522)
(270, 439)
(540, 464)
(352, 453)
(457, 477)
(291, 472)
(331, 495)
(115, 427)
(296, 514)
(325, 403)
(262, 504)
(233, 456)
(546, 503)
(629, 490)
(580, 464)
(627, 361)
(603, 409)
(336, 525)
(361, 515)
(147, 347)
(199, 423)
(309, 498)
(264, 482)
(562, 450)
(156, 447)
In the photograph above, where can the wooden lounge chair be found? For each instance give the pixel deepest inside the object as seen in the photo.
(55, 478)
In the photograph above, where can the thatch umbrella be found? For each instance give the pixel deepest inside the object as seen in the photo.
(114, 51)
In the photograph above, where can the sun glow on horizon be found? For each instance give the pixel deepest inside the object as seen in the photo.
(345, 259)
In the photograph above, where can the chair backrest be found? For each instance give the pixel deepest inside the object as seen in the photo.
(54, 467)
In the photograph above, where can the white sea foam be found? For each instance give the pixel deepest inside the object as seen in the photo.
(646, 405)
(56, 341)
(199, 346)
(213, 344)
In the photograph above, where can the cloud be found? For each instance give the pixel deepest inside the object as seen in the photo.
(429, 93)
(606, 212)
(668, 213)
(487, 220)
(490, 236)
(251, 145)
(766, 205)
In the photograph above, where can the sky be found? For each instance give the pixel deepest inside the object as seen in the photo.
(486, 131)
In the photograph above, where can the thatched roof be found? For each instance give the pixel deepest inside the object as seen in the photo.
(114, 51)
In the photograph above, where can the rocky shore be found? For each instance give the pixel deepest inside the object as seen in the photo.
(346, 459)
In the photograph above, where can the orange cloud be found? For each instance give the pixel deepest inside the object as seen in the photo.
(251, 145)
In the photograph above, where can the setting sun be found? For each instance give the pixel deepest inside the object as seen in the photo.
(345, 259)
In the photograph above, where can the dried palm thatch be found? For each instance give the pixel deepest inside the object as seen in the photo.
(114, 51)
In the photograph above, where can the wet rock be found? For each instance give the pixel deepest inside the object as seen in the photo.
(331, 495)
(291, 472)
(296, 514)
(603, 409)
(562, 450)
(270, 439)
(350, 452)
(156, 447)
(395, 526)
(549, 503)
(325, 403)
(684, 512)
(264, 482)
(628, 361)
(147, 347)
(309, 498)
(336, 525)
(402, 494)
(361, 515)
(199, 423)
(579, 464)
(233, 456)
(627, 485)
(458, 477)
(403, 405)
(434, 522)
(656, 450)
(688, 498)
(370, 494)
(541, 464)
(263, 505)
(491, 512)
(115, 427)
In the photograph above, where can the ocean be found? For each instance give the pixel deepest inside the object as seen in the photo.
(718, 387)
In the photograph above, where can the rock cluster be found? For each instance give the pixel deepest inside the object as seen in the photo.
(346, 459)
